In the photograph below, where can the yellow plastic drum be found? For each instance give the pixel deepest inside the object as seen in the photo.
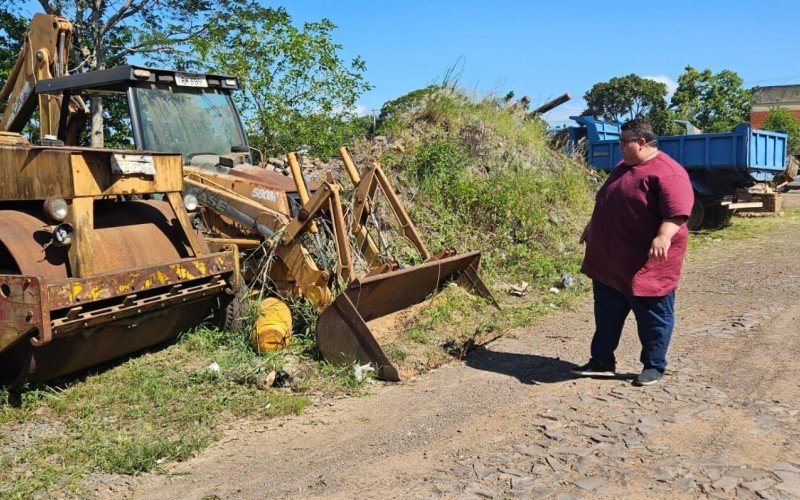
(273, 327)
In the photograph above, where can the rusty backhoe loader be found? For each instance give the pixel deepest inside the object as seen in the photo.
(87, 273)
(271, 217)
(343, 335)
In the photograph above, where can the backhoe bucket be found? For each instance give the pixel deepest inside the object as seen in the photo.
(342, 332)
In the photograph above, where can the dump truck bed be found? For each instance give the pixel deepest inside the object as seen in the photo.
(760, 152)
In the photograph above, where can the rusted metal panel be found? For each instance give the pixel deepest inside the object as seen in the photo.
(34, 174)
(27, 303)
(83, 318)
(93, 345)
(75, 292)
(126, 235)
(256, 184)
(22, 310)
(93, 175)
(30, 173)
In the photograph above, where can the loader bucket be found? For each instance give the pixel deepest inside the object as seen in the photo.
(342, 332)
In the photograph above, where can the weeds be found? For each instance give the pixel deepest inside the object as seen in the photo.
(156, 407)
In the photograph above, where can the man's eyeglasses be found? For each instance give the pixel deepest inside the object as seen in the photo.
(623, 142)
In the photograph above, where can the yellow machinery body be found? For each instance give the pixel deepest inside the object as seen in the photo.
(131, 274)
(271, 224)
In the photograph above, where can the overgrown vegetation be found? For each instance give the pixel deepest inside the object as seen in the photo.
(480, 176)
(783, 119)
(157, 407)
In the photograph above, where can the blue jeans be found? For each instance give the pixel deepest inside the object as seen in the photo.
(655, 319)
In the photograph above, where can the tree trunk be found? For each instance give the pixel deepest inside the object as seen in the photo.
(97, 137)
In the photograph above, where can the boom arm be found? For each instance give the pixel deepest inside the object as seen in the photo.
(44, 55)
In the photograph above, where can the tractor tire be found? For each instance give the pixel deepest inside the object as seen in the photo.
(233, 312)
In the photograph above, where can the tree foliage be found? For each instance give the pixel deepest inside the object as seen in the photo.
(631, 96)
(783, 119)
(298, 89)
(713, 102)
(12, 29)
(624, 97)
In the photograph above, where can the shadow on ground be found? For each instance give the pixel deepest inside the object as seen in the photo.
(527, 368)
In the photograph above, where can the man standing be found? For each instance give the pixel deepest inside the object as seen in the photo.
(635, 243)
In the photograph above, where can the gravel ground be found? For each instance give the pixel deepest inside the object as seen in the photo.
(510, 421)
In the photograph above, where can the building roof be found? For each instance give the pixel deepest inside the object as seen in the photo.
(775, 94)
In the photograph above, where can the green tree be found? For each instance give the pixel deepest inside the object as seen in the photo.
(626, 97)
(713, 102)
(783, 119)
(298, 90)
(12, 29)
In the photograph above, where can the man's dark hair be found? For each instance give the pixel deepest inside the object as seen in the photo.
(641, 129)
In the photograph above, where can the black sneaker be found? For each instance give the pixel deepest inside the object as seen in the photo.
(649, 376)
(593, 369)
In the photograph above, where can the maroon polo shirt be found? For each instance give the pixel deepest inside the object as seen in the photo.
(628, 211)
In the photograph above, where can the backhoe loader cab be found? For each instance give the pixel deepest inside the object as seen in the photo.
(188, 113)
(191, 114)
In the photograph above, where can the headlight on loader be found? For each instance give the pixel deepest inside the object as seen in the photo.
(190, 202)
(56, 208)
(63, 234)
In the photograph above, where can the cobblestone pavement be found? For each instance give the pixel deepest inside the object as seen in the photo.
(511, 422)
(619, 443)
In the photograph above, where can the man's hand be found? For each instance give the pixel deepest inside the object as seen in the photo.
(584, 235)
(659, 247)
(661, 243)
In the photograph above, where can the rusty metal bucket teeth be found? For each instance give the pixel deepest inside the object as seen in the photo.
(342, 332)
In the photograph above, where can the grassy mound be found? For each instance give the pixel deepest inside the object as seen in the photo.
(477, 174)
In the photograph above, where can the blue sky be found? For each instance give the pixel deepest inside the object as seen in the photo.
(543, 49)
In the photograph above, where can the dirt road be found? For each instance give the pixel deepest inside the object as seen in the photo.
(510, 421)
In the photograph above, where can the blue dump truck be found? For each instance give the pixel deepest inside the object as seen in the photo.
(721, 166)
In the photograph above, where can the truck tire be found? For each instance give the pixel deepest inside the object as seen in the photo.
(698, 214)
(717, 215)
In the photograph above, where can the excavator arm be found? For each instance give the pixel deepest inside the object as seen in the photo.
(44, 55)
